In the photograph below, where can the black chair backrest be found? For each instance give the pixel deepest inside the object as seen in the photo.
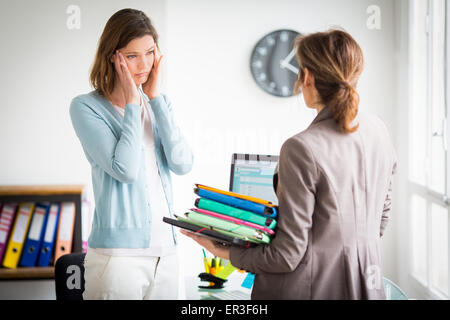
(69, 276)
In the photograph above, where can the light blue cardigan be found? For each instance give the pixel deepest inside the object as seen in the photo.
(114, 147)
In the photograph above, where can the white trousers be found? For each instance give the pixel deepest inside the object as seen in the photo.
(130, 278)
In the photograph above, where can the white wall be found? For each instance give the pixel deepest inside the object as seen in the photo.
(218, 106)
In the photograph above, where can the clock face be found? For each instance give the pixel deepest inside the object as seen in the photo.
(273, 63)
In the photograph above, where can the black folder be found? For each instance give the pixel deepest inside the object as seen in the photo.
(208, 232)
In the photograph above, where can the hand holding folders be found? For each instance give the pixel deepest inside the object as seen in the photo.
(229, 218)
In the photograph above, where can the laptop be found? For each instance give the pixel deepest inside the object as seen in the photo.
(253, 175)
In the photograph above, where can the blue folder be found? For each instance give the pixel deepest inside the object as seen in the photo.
(254, 207)
(35, 235)
(49, 236)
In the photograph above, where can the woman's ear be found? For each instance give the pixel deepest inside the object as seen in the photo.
(308, 79)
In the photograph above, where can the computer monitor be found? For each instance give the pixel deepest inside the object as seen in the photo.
(252, 175)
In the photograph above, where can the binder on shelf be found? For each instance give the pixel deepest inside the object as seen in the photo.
(48, 243)
(18, 234)
(7, 214)
(35, 235)
(65, 230)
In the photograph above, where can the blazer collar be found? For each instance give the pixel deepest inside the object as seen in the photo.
(324, 114)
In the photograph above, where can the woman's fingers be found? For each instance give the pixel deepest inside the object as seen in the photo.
(158, 58)
(125, 72)
(121, 67)
(191, 235)
(152, 86)
(188, 234)
(208, 244)
(157, 54)
(214, 247)
(122, 62)
(117, 64)
(130, 91)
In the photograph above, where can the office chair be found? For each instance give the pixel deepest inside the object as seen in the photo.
(393, 292)
(69, 276)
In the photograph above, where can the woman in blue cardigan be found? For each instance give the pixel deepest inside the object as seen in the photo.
(127, 131)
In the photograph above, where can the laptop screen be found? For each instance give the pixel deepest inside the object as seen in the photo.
(252, 175)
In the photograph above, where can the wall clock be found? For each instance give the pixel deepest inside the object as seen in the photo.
(273, 63)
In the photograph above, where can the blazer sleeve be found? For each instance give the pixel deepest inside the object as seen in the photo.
(388, 201)
(178, 153)
(297, 176)
(120, 158)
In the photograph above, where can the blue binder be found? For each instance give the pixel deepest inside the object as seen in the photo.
(254, 207)
(35, 235)
(46, 250)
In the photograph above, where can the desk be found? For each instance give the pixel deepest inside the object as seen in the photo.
(234, 281)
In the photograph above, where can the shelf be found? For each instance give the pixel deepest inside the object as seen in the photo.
(40, 190)
(43, 193)
(27, 273)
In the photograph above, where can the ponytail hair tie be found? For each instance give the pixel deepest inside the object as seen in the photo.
(345, 83)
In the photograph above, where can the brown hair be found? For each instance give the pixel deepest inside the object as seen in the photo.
(122, 27)
(336, 61)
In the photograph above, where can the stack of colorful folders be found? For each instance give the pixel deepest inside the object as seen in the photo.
(244, 217)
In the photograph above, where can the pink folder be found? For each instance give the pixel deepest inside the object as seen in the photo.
(7, 214)
(235, 220)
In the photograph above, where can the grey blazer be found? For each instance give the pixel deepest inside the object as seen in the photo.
(334, 196)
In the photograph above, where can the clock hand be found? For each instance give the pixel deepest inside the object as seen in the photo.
(284, 64)
(289, 57)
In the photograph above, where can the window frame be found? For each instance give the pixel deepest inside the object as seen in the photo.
(424, 191)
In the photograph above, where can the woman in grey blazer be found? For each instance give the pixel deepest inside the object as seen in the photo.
(334, 188)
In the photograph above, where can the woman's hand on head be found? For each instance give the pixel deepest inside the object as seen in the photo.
(215, 248)
(127, 84)
(153, 84)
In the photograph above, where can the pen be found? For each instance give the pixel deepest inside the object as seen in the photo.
(213, 266)
(205, 261)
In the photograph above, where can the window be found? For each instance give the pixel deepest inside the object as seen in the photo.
(429, 183)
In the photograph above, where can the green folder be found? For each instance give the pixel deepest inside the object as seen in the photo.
(229, 226)
(231, 234)
(218, 207)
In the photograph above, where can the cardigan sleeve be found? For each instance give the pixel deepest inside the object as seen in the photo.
(117, 156)
(176, 148)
